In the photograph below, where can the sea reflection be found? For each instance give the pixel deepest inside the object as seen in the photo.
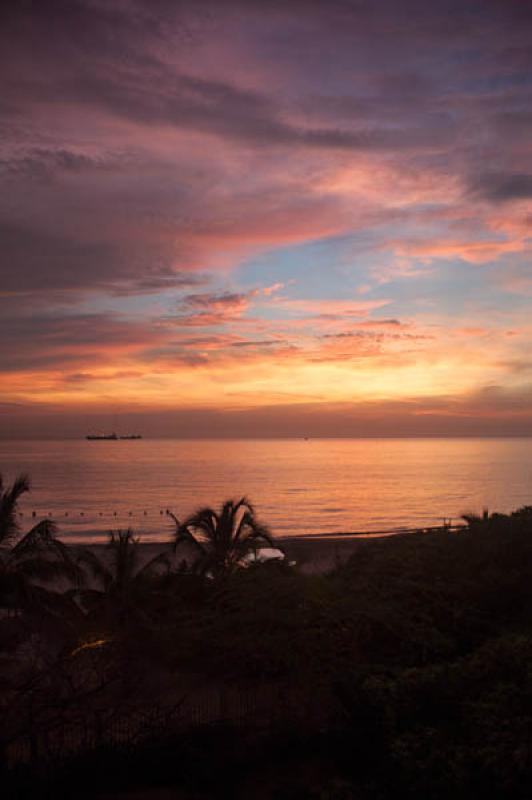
(298, 487)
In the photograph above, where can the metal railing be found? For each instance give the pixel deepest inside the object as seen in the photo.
(262, 706)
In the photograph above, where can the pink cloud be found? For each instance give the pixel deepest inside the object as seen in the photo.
(275, 287)
(332, 308)
(475, 252)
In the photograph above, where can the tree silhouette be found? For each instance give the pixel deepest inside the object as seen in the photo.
(218, 542)
(123, 582)
(475, 520)
(30, 560)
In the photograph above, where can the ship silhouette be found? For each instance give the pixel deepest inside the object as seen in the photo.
(106, 437)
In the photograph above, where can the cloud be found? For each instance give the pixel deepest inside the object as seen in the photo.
(275, 287)
(160, 158)
(257, 344)
(381, 323)
(228, 302)
(38, 261)
(44, 342)
(475, 252)
(332, 309)
(126, 186)
(501, 187)
(43, 164)
(207, 309)
(376, 336)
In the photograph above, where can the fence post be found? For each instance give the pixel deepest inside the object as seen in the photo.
(223, 703)
(98, 728)
(34, 739)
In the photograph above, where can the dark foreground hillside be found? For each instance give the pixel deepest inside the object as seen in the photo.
(405, 672)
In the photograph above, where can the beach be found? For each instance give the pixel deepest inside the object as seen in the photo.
(311, 555)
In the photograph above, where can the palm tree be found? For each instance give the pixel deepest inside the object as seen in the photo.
(30, 560)
(123, 582)
(218, 542)
(475, 520)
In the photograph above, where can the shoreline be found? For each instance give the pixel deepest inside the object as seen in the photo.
(313, 554)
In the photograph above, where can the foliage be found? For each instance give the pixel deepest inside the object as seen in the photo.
(221, 540)
(122, 584)
(419, 648)
(29, 562)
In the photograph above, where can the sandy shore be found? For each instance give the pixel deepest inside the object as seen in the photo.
(316, 555)
(312, 554)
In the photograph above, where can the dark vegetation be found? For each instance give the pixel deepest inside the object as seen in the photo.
(406, 671)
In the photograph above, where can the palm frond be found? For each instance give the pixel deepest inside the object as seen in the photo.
(161, 559)
(229, 535)
(173, 517)
(89, 599)
(244, 502)
(8, 505)
(41, 543)
(204, 520)
(245, 521)
(86, 558)
(40, 537)
(261, 532)
(122, 546)
(42, 570)
(184, 535)
(251, 532)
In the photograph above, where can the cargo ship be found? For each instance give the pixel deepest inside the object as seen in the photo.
(111, 437)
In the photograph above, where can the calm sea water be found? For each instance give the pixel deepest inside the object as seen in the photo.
(298, 487)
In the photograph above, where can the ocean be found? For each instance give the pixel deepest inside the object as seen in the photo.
(298, 486)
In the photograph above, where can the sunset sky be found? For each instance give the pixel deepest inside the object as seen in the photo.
(272, 218)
